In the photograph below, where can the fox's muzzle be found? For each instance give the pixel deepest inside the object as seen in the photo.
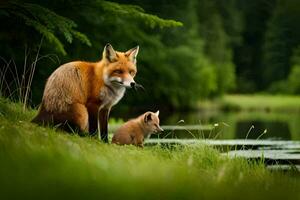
(132, 84)
(160, 129)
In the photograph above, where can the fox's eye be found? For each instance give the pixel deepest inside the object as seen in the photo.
(132, 73)
(118, 71)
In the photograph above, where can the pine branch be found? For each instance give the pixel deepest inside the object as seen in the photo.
(47, 23)
(138, 13)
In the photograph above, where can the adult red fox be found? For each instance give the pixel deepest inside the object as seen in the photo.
(82, 93)
(136, 130)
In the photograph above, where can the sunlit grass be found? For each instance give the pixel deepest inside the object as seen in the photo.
(39, 162)
(261, 102)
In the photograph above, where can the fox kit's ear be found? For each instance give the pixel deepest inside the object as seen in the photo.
(147, 117)
(157, 113)
(132, 53)
(109, 53)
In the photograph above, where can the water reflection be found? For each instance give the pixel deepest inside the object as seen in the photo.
(275, 129)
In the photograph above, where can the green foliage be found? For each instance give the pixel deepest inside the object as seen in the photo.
(294, 80)
(276, 47)
(50, 25)
(291, 85)
(191, 62)
(45, 22)
(137, 12)
(219, 34)
(295, 58)
(270, 33)
(208, 81)
(282, 37)
(248, 52)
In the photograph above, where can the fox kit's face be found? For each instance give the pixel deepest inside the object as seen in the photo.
(120, 67)
(151, 121)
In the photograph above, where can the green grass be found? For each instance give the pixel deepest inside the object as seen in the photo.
(261, 102)
(39, 162)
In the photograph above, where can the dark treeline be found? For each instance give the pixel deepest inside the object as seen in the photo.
(189, 50)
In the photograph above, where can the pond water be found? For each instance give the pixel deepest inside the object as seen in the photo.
(275, 137)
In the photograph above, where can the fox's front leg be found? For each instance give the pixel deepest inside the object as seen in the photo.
(139, 141)
(93, 118)
(103, 122)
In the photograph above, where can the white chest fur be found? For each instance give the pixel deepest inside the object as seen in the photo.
(110, 96)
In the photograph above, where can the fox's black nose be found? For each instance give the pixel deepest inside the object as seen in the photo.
(132, 84)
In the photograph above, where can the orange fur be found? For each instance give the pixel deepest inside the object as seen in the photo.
(136, 130)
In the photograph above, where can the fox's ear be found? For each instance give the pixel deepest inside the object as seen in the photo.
(109, 53)
(157, 113)
(147, 117)
(132, 53)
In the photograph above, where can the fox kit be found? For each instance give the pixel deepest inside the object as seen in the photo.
(82, 93)
(136, 130)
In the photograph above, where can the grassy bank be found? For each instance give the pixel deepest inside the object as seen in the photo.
(38, 162)
(255, 102)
